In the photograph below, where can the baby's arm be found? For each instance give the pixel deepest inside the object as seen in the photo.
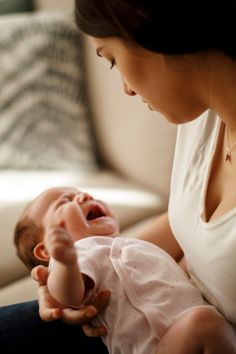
(65, 281)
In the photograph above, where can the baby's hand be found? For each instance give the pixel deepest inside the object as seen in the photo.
(60, 245)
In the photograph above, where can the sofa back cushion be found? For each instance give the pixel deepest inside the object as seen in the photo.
(45, 121)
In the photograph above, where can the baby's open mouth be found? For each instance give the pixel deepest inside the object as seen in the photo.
(95, 212)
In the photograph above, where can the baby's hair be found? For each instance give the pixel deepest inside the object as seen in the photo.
(26, 236)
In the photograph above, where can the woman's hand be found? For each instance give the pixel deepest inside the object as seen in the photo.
(50, 310)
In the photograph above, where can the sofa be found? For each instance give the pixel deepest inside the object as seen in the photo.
(123, 154)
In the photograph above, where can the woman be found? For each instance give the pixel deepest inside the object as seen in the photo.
(179, 57)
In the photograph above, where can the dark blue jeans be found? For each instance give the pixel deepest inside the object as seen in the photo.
(22, 331)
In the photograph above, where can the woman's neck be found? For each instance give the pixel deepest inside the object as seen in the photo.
(222, 89)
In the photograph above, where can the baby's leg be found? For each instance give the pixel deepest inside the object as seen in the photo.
(199, 331)
(60, 245)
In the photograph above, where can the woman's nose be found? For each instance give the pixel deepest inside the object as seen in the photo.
(128, 90)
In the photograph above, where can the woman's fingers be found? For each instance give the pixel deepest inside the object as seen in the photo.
(73, 316)
(49, 310)
(101, 300)
(40, 274)
(85, 315)
(91, 331)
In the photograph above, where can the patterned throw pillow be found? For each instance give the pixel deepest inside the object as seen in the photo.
(44, 115)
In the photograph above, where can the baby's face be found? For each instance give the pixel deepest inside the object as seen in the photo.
(81, 214)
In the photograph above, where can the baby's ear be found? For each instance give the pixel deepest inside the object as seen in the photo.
(41, 252)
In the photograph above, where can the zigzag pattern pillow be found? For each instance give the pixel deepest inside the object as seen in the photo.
(44, 116)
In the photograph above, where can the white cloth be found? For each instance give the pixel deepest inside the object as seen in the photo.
(148, 290)
(209, 247)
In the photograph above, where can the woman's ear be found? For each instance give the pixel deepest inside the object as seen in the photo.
(41, 252)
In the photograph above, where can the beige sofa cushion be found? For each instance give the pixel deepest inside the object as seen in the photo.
(21, 290)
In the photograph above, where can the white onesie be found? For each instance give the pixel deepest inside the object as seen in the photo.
(148, 290)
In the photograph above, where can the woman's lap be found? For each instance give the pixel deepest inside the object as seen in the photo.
(22, 329)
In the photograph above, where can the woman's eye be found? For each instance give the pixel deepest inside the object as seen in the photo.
(113, 63)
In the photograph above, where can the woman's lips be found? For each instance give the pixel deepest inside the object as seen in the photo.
(149, 106)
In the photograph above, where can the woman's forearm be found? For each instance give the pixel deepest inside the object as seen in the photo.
(159, 233)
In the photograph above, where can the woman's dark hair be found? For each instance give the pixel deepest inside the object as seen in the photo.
(164, 26)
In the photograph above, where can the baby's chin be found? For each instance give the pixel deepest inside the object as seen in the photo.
(105, 227)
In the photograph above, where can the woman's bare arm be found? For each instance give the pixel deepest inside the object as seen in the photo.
(160, 233)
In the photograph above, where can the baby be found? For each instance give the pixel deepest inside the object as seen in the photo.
(78, 236)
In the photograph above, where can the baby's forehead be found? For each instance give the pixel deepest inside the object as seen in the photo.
(52, 194)
(47, 197)
(58, 191)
